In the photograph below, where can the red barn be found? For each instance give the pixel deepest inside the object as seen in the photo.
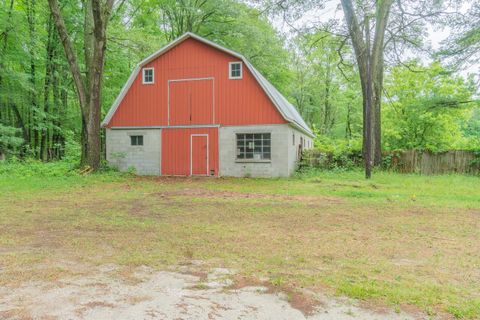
(197, 108)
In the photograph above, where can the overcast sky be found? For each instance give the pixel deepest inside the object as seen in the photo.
(333, 11)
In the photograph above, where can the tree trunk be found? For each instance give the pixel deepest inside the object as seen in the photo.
(377, 61)
(33, 108)
(46, 95)
(370, 65)
(89, 89)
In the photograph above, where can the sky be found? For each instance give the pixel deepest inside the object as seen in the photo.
(333, 10)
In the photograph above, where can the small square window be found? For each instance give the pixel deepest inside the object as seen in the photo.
(235, 70)
(148, 76)
(136, 140)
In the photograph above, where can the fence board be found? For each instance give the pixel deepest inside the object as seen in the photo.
(407, 161)
(425, 162)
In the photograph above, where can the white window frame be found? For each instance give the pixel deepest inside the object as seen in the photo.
(143, 75)
(230, 70)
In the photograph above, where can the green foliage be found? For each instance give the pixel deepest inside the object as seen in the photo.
(326, 92)
(315, 71)
(333, 154)
(24, 169)
(426, 109)
(10, 142)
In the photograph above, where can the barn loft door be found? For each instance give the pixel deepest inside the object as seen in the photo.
(191, 102)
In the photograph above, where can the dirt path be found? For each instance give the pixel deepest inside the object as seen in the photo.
(163, 295)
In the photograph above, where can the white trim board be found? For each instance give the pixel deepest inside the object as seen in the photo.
(286, 109)
(193, 126)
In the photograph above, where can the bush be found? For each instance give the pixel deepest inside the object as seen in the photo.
(31, 167)
(10, 141)
(333, 154)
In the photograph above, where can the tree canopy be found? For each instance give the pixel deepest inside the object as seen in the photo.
(425, 102)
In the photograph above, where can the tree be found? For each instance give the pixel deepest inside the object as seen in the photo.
(373, 31)
(324, 93)
(370, 64)
(462, 48)
(88, 87)
(428, 109)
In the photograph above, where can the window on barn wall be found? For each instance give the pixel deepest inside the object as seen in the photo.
(293, 139)
(136, 140)
(253, 146)
(235, 70)
(148, 76)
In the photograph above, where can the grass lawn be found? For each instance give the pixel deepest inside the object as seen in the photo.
(404, 241)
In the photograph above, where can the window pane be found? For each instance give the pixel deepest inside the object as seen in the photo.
(235, 70)
(136, 140)
(254, 146)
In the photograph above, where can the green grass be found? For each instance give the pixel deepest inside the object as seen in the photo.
(395, 239)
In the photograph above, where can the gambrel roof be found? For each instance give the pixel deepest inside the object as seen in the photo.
(286, 109)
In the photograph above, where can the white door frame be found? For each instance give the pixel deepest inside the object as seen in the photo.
(191, 148)
(191, 79)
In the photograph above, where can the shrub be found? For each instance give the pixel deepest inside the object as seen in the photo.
(331, 154)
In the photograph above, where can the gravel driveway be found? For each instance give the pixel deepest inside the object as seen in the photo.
(164, 295)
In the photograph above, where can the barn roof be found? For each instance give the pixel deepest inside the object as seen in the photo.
(286, 109)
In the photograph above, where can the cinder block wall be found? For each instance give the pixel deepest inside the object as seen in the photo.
(293, 144)
(122, 155)
(278, 166)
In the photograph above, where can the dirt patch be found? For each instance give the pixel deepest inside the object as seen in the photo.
(170, 295)
(214, 194)
(301, 300)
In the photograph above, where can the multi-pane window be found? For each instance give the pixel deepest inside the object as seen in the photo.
(148, 75)
(136, 140)
(235, 70)
(253, 146)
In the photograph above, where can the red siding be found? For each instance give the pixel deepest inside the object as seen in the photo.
(191, 102)
(237, 102)
(176, 158)
(199, 154)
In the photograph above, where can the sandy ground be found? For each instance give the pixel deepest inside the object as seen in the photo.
(164, 295)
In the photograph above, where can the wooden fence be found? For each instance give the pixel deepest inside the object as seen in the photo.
(408, 161)
(425, 162)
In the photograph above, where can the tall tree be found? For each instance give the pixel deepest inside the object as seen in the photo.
(89, 87)
(378, 30)
(370, 61)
